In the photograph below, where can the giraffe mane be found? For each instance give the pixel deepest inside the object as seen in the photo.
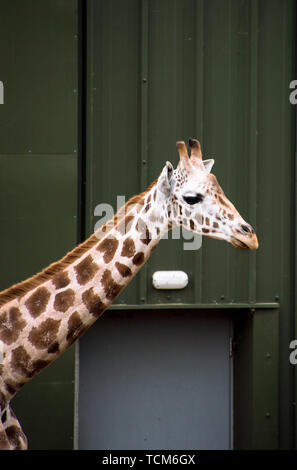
(21, 288)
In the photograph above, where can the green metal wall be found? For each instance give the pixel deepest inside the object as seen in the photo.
(159, 71)
(38, 181)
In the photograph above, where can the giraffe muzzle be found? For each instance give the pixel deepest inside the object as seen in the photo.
(245, 238)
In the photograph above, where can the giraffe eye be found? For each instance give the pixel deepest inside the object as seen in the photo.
(193, 198)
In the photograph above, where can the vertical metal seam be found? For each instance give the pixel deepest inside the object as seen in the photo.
(286, 31)
(144, 154)
(252, 181)
(229, 120)
(81, 155)
(109, 107)
(228, 260)
(81, 121)
(177, 97)
(89, 119)
(254, 27)
(175, 64)
(76, 397)
(283, 142)
(295, 302)
(295, 243)
(199, 112)
(231, 383)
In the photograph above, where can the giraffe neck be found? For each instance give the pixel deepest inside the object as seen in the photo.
(38, 327)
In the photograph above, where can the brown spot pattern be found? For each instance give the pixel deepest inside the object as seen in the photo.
(140, 226)
(128, 249)
(54, 348)
(223, 202)
(192, 225)
(205, 230)
(37, 367)
(75, 327)
(111, 288)
(43, 336)
(37, 302)
(125, 225)
(216, 225)
(12, 387)
(138, 258)
(143, 229)
(124, 270)
(61, 280)
(230, 216)
(15, 436)
(200, 219)
(108, 246)
(11, 324)
(64, 300)
(2, 401)
(4, 444)
(207, 221)
(86, 270)
(147, 238)
(20, 360)
(93, 302)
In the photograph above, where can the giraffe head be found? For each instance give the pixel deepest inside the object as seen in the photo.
(196, 201)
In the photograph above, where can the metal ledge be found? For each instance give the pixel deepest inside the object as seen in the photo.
(213, 306)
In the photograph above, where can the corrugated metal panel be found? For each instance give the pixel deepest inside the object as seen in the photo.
(37, 115)
(179, 81)
(275, 163)
(161, 71)
(38, 182)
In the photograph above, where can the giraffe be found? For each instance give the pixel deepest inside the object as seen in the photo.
(42, 316)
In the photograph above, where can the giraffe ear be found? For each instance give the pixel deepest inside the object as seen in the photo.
(163, 184)
(208, 164)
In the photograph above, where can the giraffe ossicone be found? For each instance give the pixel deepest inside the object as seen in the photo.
(42, 316)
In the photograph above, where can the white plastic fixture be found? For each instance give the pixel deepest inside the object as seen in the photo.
(170, 280)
